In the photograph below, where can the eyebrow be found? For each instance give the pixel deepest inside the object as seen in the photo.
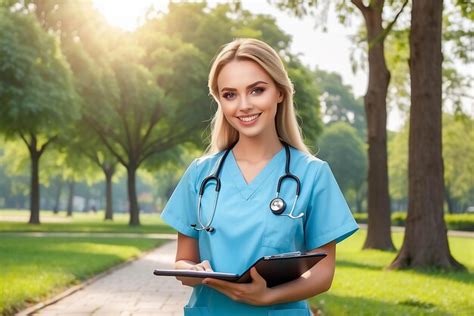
(248, 87)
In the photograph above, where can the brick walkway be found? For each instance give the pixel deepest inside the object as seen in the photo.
(131, 290)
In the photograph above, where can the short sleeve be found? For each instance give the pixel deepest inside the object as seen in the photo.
(180, 210)
(328, 216)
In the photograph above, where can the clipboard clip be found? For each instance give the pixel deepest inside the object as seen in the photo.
(283, 255)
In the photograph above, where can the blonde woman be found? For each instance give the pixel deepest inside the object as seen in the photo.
(257, 192)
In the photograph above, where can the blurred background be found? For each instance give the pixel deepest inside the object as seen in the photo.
(103, 104)
(108, 57)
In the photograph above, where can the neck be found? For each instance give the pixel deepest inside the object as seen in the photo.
(256, 149)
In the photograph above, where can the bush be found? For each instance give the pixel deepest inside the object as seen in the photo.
(453, 221)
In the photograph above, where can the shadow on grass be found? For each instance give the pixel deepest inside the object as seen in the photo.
(456, 276)
(365, 266)
(334, 305)
(103, 227)
(465, 277)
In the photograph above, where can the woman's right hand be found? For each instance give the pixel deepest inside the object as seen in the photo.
(187, 265)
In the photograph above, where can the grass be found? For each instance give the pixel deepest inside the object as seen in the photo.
(80, 222)
(362, 286)
(33, 269)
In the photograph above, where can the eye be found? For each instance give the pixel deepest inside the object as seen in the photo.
(228, 95)
(258, 90)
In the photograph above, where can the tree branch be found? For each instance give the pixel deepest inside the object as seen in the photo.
(106, 143)
(162, 145)
(153, 121)
(43, 147)
(24, 139)
(106, 131)
(381, 37)
(360, 5)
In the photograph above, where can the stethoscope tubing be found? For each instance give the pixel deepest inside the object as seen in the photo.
(281, 205)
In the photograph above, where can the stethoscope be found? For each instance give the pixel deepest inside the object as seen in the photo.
(277, 205)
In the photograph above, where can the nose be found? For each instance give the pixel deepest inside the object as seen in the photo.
(245, 104)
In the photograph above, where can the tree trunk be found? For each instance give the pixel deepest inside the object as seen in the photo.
(378, 206)
(360, 193)
(35, 187)
(109, 172)
(87, 201)
(425, 243)
(132, 196)
(70, 199)
(57, 197)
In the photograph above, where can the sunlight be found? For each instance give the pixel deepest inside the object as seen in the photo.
(126, 14)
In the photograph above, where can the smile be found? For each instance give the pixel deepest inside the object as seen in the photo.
(249, 118)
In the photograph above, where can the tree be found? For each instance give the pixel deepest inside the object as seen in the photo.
(339, 102)
(398, 168)
(425, 242)
(458, 158)
(378, 234)
(193, 25)
(339, 141)
(458, 161)
(37, 96)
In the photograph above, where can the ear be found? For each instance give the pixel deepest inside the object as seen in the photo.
(281, 97)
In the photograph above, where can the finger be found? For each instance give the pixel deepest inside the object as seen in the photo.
(206, 265)
(199, 267)
(223, 284)
(256, 276)
(226, 291)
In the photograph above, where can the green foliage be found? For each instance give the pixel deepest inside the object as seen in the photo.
(457, 159)
(339, 103)
(398, 164)
(345, 152)
(36, 91)
(463, 222)
(306, 102)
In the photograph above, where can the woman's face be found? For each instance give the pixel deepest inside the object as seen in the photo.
(248, 98)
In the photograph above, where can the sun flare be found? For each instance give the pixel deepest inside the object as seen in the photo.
(125, 14)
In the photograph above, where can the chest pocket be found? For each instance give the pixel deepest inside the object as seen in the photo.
(283, 233)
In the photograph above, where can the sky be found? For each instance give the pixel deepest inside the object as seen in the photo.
(329, 51)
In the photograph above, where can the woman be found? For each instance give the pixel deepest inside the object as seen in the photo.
(254, 135)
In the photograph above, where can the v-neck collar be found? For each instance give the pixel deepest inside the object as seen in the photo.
(238, 180)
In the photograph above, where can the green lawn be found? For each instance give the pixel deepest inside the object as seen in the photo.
(81, 222)
(363, 287)
(35, 268)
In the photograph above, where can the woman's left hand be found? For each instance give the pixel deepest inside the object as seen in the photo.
(254, 293)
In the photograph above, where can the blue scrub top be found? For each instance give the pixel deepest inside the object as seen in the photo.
(245, 227)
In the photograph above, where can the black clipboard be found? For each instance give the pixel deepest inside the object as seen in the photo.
(276, 270)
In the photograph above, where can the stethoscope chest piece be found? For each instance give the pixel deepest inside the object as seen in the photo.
(278, 206)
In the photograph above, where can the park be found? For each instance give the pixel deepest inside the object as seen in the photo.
(98, 124)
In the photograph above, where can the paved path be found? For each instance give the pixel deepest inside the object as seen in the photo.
(130, 290)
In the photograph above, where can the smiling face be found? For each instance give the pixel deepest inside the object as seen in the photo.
(249, 98)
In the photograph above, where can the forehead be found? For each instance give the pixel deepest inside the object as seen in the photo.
(241, 73)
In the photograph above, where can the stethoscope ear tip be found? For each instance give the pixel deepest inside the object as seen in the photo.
(210, 229)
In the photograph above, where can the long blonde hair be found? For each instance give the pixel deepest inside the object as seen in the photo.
(223, 135)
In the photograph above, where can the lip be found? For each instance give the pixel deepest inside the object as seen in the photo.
(251, 122)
